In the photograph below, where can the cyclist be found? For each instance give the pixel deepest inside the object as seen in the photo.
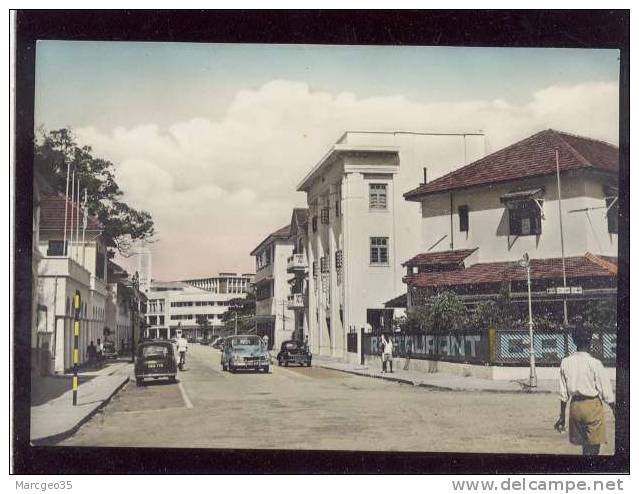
(182, 346)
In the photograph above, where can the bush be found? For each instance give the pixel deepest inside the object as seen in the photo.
(447, 312)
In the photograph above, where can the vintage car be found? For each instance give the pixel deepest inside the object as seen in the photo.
(245, 352)
(218, 343)
(294, 352)
(108, 350)
(155, 359)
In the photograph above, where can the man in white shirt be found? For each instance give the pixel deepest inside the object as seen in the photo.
(387, 353)
(182, 346)
(582, 379)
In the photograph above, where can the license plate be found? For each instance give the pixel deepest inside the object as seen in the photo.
(154, 366)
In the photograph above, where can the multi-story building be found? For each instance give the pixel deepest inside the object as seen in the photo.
(360, 228)
(552, 196)
(297, 268)
(184, 305)
(273, 316)
(75, 261)
(118, 310)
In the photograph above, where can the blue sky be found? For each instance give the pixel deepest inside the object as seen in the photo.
(123, 83)
(212, 139)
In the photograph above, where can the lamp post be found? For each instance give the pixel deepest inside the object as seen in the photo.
(525, 263)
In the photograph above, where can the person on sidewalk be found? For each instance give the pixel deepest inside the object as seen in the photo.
(582, 380)
(182, 345)
(91, 355)
(100, 353)
(387, 352)
(265, 338)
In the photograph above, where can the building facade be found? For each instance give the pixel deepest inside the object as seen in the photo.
(360, 228)
(297, 269)
(273, 317)
(68, 263)
(477, 223)
(184, 305)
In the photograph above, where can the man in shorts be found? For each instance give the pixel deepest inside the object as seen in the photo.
(582, 380)
(387, 353)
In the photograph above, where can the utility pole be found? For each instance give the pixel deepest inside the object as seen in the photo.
(525, 263)
(235, 314)
(561, 232)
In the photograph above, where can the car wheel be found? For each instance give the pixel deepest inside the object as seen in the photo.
(266, 369)
(231, 369)
(172, 379)
(279, 362)
(308, 364)
(286, 363)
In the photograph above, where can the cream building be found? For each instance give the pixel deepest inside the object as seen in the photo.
(360, 227)
(273, 317)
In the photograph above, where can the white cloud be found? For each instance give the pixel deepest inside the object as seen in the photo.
(215, 188)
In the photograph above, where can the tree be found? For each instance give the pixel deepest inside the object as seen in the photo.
(600, 314)
(55, 150)
(447, 312)
(244, 310)
(416, 320)
(203, 322)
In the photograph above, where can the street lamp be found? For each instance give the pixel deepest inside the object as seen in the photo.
(525, 263)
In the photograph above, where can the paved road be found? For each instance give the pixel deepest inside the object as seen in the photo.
(314, 408)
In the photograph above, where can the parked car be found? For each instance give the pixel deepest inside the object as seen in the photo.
(109, 351)
(294, 352)
(245, 352)
(155, 359)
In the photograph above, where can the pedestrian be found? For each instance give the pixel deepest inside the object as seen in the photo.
(100, 352)
(266, 341)
(582, 380)
(387, 353)
(306, 342)
(91, 355)
(182, 346)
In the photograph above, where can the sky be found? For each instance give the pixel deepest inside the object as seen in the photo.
(212, 139)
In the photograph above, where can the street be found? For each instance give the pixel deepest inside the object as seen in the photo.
(315, 408)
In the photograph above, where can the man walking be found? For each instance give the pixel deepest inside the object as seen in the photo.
(100, 351)
(182, 346)
(387, 352)
(583, 381)
(91, 355)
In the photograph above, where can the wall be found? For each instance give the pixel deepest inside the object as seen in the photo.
(488, 222)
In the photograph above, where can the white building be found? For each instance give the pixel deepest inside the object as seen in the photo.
(144, 267)
(118, 313)
(479, 220)
(62, 270)
(177, 305)
(297, 269)
(360, 228)
(272, 314)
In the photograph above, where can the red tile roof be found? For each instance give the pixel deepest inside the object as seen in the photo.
(586, 266)
(445, 257)
(532, 157)
(52, 214)
(400, 302)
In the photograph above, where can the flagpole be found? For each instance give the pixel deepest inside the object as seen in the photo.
(66, 208)
(77, 221)
(84, 223)
(561, 231)
(72, 208)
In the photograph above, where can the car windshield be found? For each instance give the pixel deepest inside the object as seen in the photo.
(246, 341)
(292, 345)
(155, 351)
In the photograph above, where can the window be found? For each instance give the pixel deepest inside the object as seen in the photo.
(314, 223)
(99, 265)
(463, 218)
(55, 248)
(324, 216)
(379, 250)
(524, 218)
(377, 196)
(325, 264)
(337, 211)
(612, 213)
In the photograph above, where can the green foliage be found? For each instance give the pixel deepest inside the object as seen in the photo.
(55, 150)
(245, 310)
(447, 312)
(600, 314)
(416, 320)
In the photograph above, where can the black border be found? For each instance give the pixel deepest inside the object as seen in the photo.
(524, 28)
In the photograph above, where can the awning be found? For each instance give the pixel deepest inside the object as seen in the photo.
(522, 195)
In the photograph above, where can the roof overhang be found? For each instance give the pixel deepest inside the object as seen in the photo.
(334, 153)
(522, 195)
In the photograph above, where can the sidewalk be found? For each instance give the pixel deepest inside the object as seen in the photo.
(437, 380)
(53, 416)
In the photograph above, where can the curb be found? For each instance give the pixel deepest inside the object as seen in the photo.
(436, 387)
(60, 436)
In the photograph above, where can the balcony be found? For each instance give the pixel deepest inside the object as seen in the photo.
(295, 301)
(296, 262)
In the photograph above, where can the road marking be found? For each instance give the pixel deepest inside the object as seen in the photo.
(185, 397)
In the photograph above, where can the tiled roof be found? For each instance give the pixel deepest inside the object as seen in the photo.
(282, 234)
(400, 302)
(52, 214)
(586, 266)
(532, 157)
(445, 257)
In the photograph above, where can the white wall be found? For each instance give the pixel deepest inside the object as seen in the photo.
(488, 221)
